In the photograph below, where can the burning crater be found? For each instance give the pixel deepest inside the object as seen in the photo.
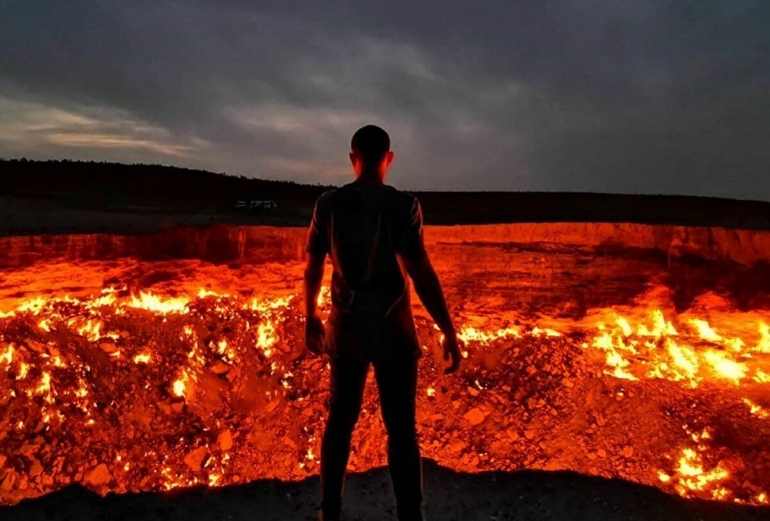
(176, 359)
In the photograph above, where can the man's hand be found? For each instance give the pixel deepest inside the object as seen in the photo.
(451, 345)
(314, 334)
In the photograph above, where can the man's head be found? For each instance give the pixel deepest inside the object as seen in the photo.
(370, 152)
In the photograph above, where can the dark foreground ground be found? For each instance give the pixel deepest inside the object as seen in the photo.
(450, 496)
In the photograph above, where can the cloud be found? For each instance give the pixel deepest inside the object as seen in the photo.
(647, 96)
(35, 128)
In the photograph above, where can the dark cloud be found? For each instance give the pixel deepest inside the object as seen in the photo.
(624, 96)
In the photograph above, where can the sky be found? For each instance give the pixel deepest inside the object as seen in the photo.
(623, 96)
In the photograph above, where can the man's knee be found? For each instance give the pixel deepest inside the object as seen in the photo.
(342, 420)
(401, 431)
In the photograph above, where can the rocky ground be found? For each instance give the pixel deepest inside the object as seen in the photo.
(533, 495)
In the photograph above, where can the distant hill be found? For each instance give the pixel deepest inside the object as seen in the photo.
(145, 191)
(105, 185)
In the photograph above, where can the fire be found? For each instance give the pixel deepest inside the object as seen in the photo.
(90, 330)
(471, 334)
(757, 410)
(156, 304)
(763, 346)
(199, 385)
(266, 338)
(692, 477)
(654, 347)
(7, 354)
(179, 387)
(705, 331)
(143, 358)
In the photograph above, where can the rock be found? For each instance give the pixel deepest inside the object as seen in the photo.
(473, 391)
(28, 449)
(628, 451)
(220, 368)
(225, 440)
(602, 453)
(99, 475)
(36, 469)
(8, 481)
(36, 346)
(475, 416)
(2, 460)
(108, 347)
(194, 458)
(529, 434)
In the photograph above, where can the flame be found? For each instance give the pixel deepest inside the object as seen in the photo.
(156, 304)
(705, 331)
(472, 334)
(756, 409)
(90, 330)
(763, 346)
(691, 477)
(7, 354)
(142, 358)
(179, 387)
(196, 348)
(656, 348)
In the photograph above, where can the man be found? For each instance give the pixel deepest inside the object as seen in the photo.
(373, 234)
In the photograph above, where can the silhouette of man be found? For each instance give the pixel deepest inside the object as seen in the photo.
(373, 234)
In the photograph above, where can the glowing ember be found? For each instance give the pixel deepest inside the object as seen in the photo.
(142, 358)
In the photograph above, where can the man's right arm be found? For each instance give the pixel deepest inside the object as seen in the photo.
(428, 288)
(427, 285)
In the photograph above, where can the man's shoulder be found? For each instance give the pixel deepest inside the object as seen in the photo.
(405, 200)
(342, 196)
(326, 198)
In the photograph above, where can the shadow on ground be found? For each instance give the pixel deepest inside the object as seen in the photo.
(450, 496)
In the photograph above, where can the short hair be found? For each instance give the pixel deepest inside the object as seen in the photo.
(371, 143)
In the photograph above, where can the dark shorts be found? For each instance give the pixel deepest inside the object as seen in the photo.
(371, 343)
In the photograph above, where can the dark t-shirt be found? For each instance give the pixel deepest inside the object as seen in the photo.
(365, 229)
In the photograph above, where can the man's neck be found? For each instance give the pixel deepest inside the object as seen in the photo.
(370, 179)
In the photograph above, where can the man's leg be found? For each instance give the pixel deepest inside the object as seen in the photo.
(397, 383)
(348, 379)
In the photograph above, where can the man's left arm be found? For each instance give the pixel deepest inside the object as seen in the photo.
(314, 327)
(317, 248)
